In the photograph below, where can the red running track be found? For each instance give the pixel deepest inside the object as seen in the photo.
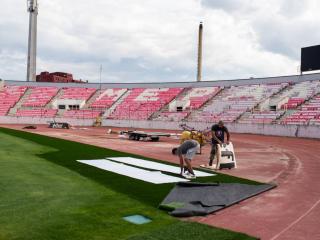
(289, 212)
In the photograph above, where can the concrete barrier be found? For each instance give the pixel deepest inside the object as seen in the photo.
(33, 120)
(261, 129)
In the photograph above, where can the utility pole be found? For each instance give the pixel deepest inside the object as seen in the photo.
(199, 67)
(32, 40)
(100, 75)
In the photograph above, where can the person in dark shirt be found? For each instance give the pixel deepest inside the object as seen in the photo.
(218, 131)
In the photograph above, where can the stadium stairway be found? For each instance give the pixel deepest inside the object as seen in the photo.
(286, 114)
(193, 115)
(57, 96)
(204, 104)
(258, 107)
(165, 108)
(109, 111)
(60, 112)
(18, 105)
(290, 112)
(299, 108)
(93, 97)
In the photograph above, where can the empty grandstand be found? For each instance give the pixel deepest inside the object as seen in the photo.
(141, 103)
(293, 100)
(39, 96)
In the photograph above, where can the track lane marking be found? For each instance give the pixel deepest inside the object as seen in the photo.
(296, 221)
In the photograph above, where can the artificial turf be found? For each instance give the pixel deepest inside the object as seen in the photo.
(46, 194)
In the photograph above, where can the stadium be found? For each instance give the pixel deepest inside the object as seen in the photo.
(70, 168)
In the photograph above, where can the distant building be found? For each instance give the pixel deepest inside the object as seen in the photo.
(57, 77)
(1, 84)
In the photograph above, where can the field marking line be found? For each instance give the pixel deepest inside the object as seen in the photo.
(296, 221)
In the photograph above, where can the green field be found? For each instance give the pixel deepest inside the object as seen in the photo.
(46, 194)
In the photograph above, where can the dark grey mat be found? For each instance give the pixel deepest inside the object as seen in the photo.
(199, 199)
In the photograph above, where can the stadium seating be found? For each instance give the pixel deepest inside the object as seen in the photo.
(265, 117)
(235, 101)
(295, 103)
(172, 116)
(299, 93)
(196, 97)
(36, 112)
(308, 113)
(141, 103)
(77, 93)
(107, 98)
(82, 114)
(9, 96)
(192, 100)
(40, 96)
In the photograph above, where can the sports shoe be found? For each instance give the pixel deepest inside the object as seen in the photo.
(185, 175)
(190, 176)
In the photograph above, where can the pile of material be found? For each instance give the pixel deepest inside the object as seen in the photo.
(198, 199)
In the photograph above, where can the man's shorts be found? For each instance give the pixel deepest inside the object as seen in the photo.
(192, 152)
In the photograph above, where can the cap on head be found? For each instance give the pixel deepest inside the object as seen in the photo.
(220, 123)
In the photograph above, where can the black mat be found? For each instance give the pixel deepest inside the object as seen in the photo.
(30, 127)
(199, 199)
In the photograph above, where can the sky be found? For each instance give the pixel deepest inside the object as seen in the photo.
(156, 40)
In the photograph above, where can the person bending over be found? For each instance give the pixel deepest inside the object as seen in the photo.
(186, 151)
(217, 131)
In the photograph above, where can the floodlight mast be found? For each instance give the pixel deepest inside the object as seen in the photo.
(199, 67)
(32, 40)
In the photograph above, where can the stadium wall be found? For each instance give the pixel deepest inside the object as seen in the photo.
(261, 129)
(35, 121)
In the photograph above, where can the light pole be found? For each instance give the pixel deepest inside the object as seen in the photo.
(32, 40)
(100, 75)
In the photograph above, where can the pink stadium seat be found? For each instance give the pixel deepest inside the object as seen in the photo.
(107, 98)
(9, 96)
(309, 113)
(36, 112)
(265, 117)
(40, 96)
(141, 103)
(82, 114)
(235, 101)
(172, 116)
(77, 93)
(192, 100)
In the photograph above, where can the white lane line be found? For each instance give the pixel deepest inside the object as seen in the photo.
(296, 221)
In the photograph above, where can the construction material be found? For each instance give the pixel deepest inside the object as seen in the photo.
(199, 199)
(141, 135)
(225, 157)
(156, 166)
(155, 177)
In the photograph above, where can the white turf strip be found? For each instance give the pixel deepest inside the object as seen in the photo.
(155, 177)
(155, 166)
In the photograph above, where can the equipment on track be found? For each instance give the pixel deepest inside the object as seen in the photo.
(190, 133)
(145, 136)
(60, 125)
(98, 122)
(225, 157)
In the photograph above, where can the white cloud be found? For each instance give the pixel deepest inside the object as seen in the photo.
(156, 40)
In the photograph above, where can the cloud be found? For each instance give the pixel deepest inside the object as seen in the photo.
(153, 40)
